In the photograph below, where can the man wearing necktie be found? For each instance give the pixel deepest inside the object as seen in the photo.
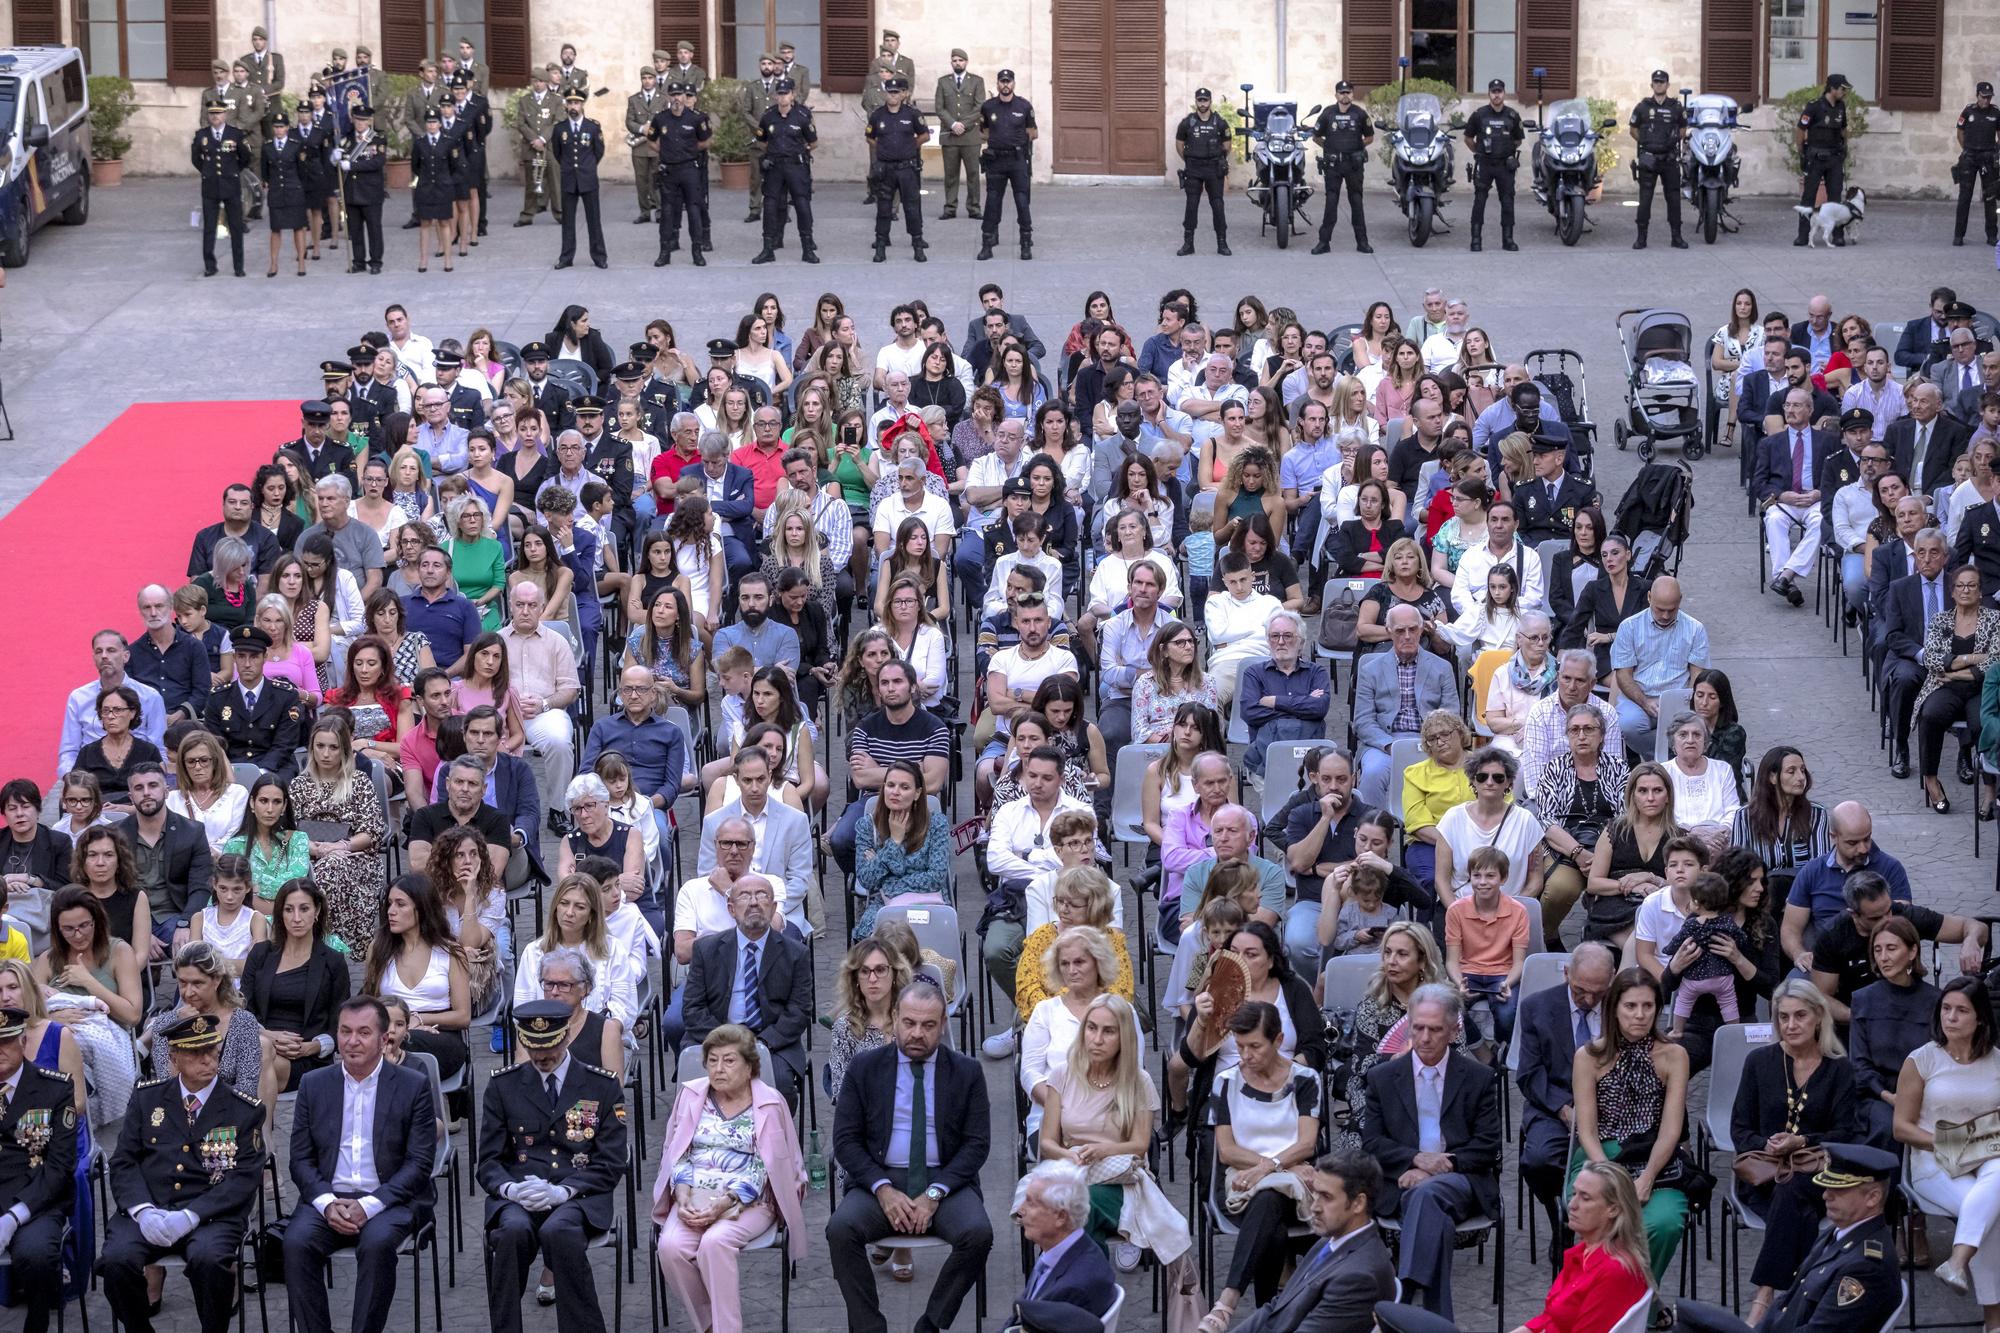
(578, 145)
(1908, 606)
(1336, 1285)
(1553, 1023)
(1071, 1279)
(911, 1132)
(640, 108)
(220, 154)
(1550, 503)
(1786, 485)
(755, 976)
(957, 99)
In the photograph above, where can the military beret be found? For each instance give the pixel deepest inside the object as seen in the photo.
(784, 86)
(684, 46)
(763, 56)
(259, 32)
(648, 72)
(958, 53)
(196, 1032)
(360, 51)
(542, 1024)
(721, 347)
(588, 402)
(1857, 418)
(661, 54)
(339, 53)
(316, 412)
(220, 66)
(787, 46)
(891, 35)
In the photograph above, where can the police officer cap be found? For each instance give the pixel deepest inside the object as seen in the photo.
(588, 403)
(573, 95)
(1343, 87)
(720, 347)
(535, 352)
(1005, 76)
(280, 118)
(448, 360)
(13, 1022)
(1496, 85)
(215, 104)
(958, 53)
(1547, 444)
(542, 1024)
(334, 370)
(784, 86)
(1659, 76)
(643, 352)
(361, 111)
(1857, 418)
(361, 354)
(1015, 486)
(680, 86)
(316, 412)
(196, 1032)
(318, 89)
(1851, 1164)
(1958, 310)
(249, 639)
(1837, 81)
(1982, 89)
(897, 85)
(1201, 94)
(432, 115)
(628, 370)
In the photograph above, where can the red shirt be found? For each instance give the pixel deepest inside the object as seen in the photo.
(766, 471)
(1590, 1295)
(419, 750)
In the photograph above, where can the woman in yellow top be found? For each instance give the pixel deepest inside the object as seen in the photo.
(1080, 896)
(1431, 786)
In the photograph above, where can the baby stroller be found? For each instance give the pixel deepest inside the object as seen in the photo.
(1558, 372)
(1654, 515)
(1663, 392)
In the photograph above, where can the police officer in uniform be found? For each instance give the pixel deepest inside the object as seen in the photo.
(467, 409)
(897, 131)
(1659, 123)
(681, 133)
(1203, 140)
(1848, 1283)
(1548, 506)
(1343, 133)
(1494, 135)
(787, 134)
(1007, 124)
(552, 1149)
(640, 108)
(220, 155)
(360, 157)
(535, 118)
(551, 397)
(189, 1160)
(255, 716)
(610, 458)
(1823, 150)
(1978, 157)
(364, 406)
(633, 381)
(957, 101)
(37, 1169)
(578, 144)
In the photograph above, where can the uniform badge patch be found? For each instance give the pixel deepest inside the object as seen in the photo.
(1849, 1291)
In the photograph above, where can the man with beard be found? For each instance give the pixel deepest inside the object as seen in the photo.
(768, 642)
(172, 855)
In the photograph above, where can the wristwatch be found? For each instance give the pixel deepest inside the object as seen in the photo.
(936, 1193)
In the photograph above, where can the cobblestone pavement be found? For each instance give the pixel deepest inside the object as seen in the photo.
(118, 307)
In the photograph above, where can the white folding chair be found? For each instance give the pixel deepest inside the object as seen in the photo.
(1634, 1319)
(936, 928)
(1725, 1073)
(1671, 702)
(1403, 752)
(1127, 782)
(1345, 980)
(1281, 776)
(1239, 730)
(1539, 973)
(1111, 1315)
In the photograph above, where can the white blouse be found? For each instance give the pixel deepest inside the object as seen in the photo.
(1708, 797)
(222, 818)
(1108, 583)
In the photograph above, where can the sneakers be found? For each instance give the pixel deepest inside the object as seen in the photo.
(1125, 1255)
(999, 1046)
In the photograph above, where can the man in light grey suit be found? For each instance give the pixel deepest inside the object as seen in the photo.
(783, 835)
(1335, 1287)
(1381, 713)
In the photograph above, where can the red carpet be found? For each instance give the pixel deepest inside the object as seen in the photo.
(117, 516)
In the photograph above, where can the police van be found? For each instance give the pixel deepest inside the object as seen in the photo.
(44, 144)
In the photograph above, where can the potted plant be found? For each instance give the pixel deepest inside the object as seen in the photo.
(111, 108)
(725, 101)
(1792, 105)
(395, 131)
(1601, 110)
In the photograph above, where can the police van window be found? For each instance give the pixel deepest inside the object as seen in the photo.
(57, 106)
(1811, 38)
(10, 98)
(72, 85)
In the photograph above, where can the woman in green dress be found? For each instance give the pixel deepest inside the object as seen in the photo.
(478, 565)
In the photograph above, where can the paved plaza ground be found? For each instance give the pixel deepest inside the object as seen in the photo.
(117, 313)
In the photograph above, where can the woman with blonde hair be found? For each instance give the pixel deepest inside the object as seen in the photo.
(1080, 966)
(478, 564)
(1409, 959)
(1081, 896)
(795, 540)
(1350, 410)
(865, 991)
(206, 790)
(330, 790)
(576, 921)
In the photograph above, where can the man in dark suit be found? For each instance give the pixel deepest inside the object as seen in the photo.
(1550, 500)
(1432, 1119)
(370, 1187)
(754, 976)
(552, 1148)
(256, 719)
(172, 852)
(1919, 336)
(1907, 607)
(189, 1158)
(1926, 439)
(1071, 1276)
(362, 157)
(37, 1169)
(578, 145)
(1964, 405)
(220, 155)
(1958, 370)
(911, 1135)
(551, 395)
(1336, 1285)
(1761, 390)
(1553, 1023)
(1786, 483)
(1894, 559)
(732, 496)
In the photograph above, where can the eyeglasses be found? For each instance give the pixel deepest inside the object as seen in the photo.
(738, 843)
(561, 985)
(874, 970)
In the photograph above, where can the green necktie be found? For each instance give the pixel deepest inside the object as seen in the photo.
(920, 1158)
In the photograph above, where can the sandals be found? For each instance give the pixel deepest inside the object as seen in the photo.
(1217, 1319)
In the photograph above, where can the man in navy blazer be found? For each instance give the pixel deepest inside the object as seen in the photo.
(1377, 698)
(1947, 439)
(1904, 620)
(512, 782)
(911, 1132)
(368, 1189)
(1550, 1023)
(723, 965)
(1787, 486)
(1070, 1276)
(732, 495)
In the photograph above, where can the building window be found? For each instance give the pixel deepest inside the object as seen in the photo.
(752, 27)
(127, 37)
(1463, 43)
(415, 30)
(1810, 39)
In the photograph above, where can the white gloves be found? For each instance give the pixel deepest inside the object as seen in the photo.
(557, 1195)
(532, 1194)
(180, 1225)
(155, 1226)
(8, 1226)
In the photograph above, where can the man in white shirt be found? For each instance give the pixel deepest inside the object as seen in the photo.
(358, 1187)
(1877, 392)
(414, 353)
(1501, 547)
(895, 399)
(1854, 503)
(110, 652)
(542, 667)
(702, 905)
(1429, 320)
(783, 838)
(1187, 371)
(1019, 846)
(984, 482)
(913, 500)
(1440, 348)
(1204, 399)
(1125, 646)
(1013, 675)
(906, 353)
(1235, 618)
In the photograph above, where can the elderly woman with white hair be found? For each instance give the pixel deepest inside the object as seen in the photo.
(1082, 964)
(1052, 1203)
(1528, 677)
(571, 975)
(594, 832)
(478, 563)
(1705, 799)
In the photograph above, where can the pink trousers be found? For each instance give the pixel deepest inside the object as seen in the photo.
(700, 1266)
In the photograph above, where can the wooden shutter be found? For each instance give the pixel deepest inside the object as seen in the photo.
(680, 21)
(191, 42)
(39, 23)
(1730, 49)
(1912, 47)
(402, 47)
(847, 27)
(1081, 86)
(507, 57)
(1137, 101)
(1548, 41)
(1370, 39)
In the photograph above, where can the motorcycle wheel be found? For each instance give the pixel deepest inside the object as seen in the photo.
(1569, 219)
(1421, 210)
(1711, 214)
(1281, 208)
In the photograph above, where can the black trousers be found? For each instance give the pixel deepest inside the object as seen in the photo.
(681, 189)
(787, 181)
(1005, 170)
(1821, 168)
(231, 211)
(1986, 170)
(1351, 178)
(513, 1237)
(211, 1250)
(960, 1221)
(1901, 679)
(1792, 1213)
(364, 233)
(894, 181)
(587, 201)
(1194, 185)
(1952, 701)
(36, 1256)
(308, 1243)
(1258, 1261)
(1668, 178)
(1498, 176)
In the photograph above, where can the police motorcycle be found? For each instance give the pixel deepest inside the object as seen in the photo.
(1709, 160)
(1276, 147)
(1566, 162)
(1420, 162)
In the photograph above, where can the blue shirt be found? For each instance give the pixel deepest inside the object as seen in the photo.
(898, 1150)
(1820, 883)
(1498, 420)
(654, 748)
(1305, 464)
(1658, 658)
(450, 623)
(1046, 1264)
(1159, 353)
(1291, 696)
(180, 672)
(770, 644)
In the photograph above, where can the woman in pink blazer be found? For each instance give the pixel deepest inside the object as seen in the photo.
(730, 1171)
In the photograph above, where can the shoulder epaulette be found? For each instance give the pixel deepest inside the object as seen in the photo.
(243, 1096)
(150, 1083)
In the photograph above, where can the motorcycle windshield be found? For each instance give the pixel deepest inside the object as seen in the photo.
(1569, 122)
(1712, 109)
(1279, 122)
(1417, 117)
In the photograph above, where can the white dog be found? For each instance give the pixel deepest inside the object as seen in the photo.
(1830, 215)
